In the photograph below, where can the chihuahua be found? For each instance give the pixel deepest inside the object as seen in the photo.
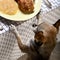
(44, 41)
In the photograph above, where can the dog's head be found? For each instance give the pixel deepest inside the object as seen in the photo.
(45, 32)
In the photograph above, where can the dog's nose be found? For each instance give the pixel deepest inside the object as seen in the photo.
(34, 25)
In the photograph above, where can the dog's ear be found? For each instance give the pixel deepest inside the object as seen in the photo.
(57, 24)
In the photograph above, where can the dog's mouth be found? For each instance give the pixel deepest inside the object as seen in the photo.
(38, 43)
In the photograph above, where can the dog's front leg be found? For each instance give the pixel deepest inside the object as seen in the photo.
(23, 47)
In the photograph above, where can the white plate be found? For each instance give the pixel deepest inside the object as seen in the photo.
(19, 16)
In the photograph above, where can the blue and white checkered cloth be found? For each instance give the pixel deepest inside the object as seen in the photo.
(9, 49)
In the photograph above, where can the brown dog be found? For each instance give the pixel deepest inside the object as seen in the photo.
(44, 41)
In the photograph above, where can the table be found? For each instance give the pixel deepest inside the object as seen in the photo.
(9, 49)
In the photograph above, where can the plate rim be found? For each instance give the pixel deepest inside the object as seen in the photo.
(22, 12)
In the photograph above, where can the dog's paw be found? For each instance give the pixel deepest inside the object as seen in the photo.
(12, 28)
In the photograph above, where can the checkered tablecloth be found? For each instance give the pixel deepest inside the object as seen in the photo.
(9, 49)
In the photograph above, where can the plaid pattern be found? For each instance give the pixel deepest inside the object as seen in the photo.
(9, 49)
(45, 9)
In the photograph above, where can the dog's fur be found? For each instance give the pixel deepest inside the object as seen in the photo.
(44, 41)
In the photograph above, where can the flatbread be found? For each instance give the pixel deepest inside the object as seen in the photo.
(8, 6)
